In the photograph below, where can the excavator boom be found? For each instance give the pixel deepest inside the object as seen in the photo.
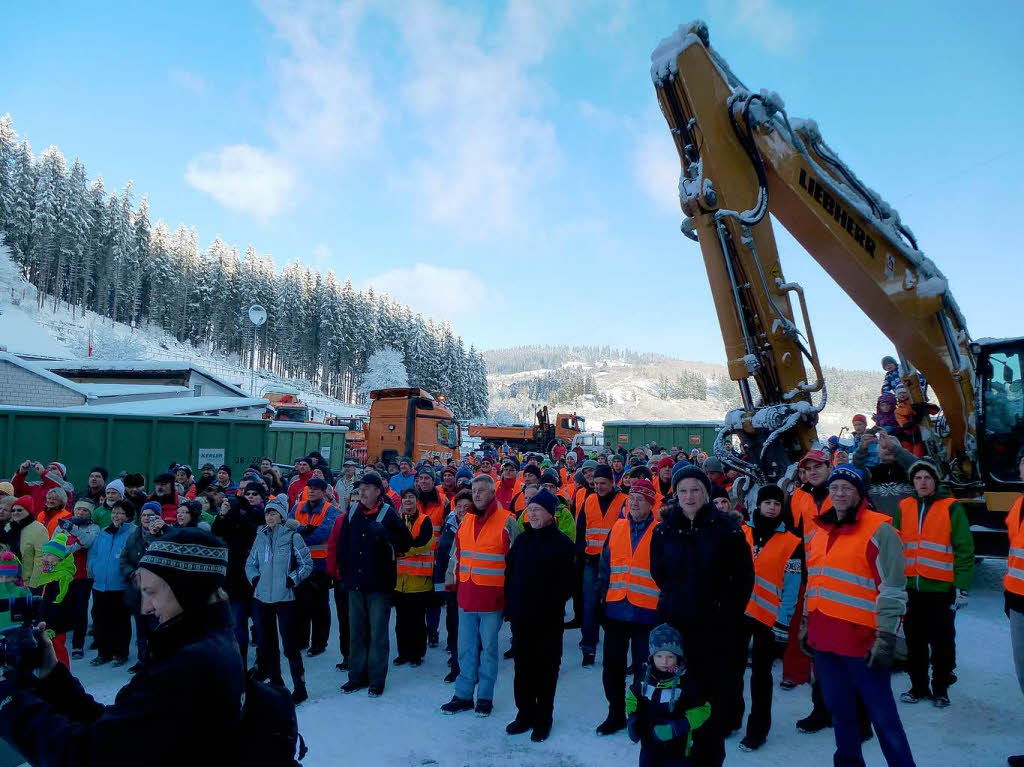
(743, 158)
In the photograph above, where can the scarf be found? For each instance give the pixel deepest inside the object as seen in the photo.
(63, 572)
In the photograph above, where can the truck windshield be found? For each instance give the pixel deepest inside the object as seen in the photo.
(448, 434)
(1004, 414)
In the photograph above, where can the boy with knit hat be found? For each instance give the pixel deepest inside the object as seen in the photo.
(663, 705)
(57, 571)
(11, 584)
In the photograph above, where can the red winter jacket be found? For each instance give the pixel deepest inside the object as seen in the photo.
(39, 488)
(298, 483)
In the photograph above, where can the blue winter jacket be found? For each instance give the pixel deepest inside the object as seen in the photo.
(104, 561)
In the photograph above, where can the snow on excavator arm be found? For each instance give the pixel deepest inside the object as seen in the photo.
(742, 158)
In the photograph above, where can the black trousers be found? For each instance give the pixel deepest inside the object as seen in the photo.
(279, 616)
(410, 624)
(113, 624)
(538, 655)
(79, 593)
(313, 611)
(931, 635)
(765, 651)
(451, 624)
(621, 639)
(341, 609)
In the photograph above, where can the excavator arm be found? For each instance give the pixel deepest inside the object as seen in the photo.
(743, 159)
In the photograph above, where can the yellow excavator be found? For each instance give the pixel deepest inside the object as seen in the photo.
(744, 158)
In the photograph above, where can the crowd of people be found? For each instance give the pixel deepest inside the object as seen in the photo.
(652, 555)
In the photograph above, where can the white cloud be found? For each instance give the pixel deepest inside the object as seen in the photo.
(193, 82)
(436, 291)
(769, 23)
(244, 178)
(656, 168)
(322, 254)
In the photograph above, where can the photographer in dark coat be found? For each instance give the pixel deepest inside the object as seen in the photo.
(702, 565)
(192, 656)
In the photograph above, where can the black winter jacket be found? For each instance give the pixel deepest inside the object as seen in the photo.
(703, 569)
(238, 529)
(191, 657)
(539, 577)
(367, 548)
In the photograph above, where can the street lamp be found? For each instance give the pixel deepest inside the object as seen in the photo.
(257, 316)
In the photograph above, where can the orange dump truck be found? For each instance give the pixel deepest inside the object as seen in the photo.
(541, 436)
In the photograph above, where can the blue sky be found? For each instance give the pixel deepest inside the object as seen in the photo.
(505, 166)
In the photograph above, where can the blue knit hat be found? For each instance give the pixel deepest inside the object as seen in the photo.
(664, 638)
(463, 473)
(547, 499)
(850, 473)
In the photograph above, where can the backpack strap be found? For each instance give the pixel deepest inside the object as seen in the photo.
(382, 513)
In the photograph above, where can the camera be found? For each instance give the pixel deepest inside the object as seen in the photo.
(20, 648)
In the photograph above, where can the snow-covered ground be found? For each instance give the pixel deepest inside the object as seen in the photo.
(405, 727)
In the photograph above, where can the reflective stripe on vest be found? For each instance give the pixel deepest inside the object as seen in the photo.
(482, 558)
(631, 570)
(417, 564)
(805, 510)
(435, 513)
(840, 582)
(1014, 579)
(600, 525)
(769, 572)
(927, 546)
(317, 550)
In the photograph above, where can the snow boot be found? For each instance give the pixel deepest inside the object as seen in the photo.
(752, 742)
(353, 686)
(615, 722)
(484, 707)
(457, 705)
(540, 732)
(816, 721)
(451, 676)
(940, 700)
(343, 666)
(375, 691)
(401, 660)
(299, 694)
(518, 726)
(914, 695)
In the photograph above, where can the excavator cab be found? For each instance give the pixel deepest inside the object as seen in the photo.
(1001, 431)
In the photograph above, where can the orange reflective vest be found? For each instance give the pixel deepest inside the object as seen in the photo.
(600, 525)
(435, 513)
(303, 517)
(927, 545)
(518, 503)
(631, 570)
(805, 510)
(1014, 579)
(482, 558)
(840, 582)
(579, 498)
(769, 571)
(417, 564)
(51, 523)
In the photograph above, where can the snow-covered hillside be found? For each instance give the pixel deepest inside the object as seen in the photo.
(58, 332)
(665, 389)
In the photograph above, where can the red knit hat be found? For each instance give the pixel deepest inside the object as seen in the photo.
(666, 460)
(860, 417)
(27, 503)
(645, 488)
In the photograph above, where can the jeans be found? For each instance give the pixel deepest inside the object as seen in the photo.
(842, 679)
(369, 644)
(538, 654)
(928, 625)
(113, 624)
(341, 608)
(79, 593)
(433, 612)
(1017, 641)
(274, 617)
(619, 639)
(591, 628)
(313, 610)
(478, 654)
(451, 624)
(241, 611)
(410, 625)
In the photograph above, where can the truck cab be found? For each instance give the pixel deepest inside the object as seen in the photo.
(410, 422)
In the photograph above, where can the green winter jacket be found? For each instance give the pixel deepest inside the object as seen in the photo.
(962, 542)
(563, 519)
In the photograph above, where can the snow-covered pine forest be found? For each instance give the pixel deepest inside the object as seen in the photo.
(88, 248)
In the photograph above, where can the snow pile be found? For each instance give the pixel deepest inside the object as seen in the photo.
(663, 59)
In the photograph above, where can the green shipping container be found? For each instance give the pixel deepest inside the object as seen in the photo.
(145, 444)
(288, 440)
(685, 434)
